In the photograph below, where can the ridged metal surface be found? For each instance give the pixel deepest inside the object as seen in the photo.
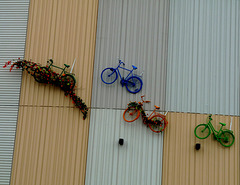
(63, 31)
(137, 161)
(136, 32)
(203, 57)
(212, 164)
(50, 147)
(51, 139)
(10, 85)
(13, 26)
(8, 121)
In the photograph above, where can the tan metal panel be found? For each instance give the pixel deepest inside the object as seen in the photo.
(61, 30)
(212, 164)
(51, 139)
(51, 146)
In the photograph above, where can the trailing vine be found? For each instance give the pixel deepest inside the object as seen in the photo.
(47, 76)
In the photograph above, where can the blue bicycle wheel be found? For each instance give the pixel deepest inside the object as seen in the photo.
(134, 84)
(109, 75)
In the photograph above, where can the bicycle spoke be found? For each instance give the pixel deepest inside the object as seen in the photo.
(158, 123)
(202, 131)
(134, 84)
(131, 114)
(226, 138)
(109, 75)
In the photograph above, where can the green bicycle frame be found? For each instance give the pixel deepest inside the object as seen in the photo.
(215, 132)
(225, 137)
(63, 69)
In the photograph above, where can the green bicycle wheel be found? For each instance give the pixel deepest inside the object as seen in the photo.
(202, 131)
(226, 138)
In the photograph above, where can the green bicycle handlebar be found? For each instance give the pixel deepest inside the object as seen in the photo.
(210, 116)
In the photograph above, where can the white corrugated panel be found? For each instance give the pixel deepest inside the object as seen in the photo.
(137, 161)
(136, 32)
(13, 26)
(203, 57)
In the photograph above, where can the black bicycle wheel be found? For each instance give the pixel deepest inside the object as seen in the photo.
(109, 75)
(202, 131)
(41, 74)
(68, 82)
(227, 138)
(134, 84)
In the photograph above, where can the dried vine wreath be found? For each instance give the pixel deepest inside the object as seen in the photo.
(64, 80)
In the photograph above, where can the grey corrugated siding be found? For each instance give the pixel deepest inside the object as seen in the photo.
(137, 161)
(136, 32)
(13, 26)
(203, 57)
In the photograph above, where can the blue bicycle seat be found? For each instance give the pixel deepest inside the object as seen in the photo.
(134, 67)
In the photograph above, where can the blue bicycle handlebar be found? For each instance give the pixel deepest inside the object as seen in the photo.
(120, 62)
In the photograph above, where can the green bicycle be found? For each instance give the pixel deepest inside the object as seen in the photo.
(225, 137)
(65, 79)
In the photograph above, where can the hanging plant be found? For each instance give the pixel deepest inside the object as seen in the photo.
(66, 81)
(146, 120)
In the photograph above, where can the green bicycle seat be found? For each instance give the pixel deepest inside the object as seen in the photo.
(67, 66)
(223, 124)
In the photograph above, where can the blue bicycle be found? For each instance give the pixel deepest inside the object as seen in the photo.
(133, 83)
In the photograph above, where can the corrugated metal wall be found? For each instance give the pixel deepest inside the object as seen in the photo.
(136, 32)
(203, 57)
(51, 140)
(51, 146)
(137, 161)
(13, 26)
(212, 164)
(202, 77)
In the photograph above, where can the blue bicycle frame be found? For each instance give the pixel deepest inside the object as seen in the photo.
(133, 83)
(123, 81)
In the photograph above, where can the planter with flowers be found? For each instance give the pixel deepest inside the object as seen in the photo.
(44, 74)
